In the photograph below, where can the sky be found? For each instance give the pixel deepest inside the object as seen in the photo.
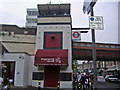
(14, 12)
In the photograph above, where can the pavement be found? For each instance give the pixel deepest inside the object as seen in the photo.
(100, 86)
(110, 86)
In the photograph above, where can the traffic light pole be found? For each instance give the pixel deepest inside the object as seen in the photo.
(94, 53)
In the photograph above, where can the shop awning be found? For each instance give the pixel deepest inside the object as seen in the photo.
(51, 57)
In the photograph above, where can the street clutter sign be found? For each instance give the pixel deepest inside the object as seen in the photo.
(76, 35)
(96, 22)
(86, 5)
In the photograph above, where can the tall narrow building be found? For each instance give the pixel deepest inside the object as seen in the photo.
(53, 45)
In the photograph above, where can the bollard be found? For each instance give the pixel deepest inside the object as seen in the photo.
(39, 85)
(79, 86)
(58, 85)
(91, 85)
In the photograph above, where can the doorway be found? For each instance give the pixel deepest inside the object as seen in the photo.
(52, 74)
(8, 71)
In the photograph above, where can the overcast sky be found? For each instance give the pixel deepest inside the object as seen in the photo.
(14, 12)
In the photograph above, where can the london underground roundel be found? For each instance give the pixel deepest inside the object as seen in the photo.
(76, 34)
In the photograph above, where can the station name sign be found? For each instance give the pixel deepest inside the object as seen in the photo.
(96, 22)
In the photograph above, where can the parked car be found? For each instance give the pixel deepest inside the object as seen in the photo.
(111, 78)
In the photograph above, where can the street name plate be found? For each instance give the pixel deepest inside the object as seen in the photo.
(96, 22)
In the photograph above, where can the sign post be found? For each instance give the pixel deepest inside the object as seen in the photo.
(94, 53)
(89, 9)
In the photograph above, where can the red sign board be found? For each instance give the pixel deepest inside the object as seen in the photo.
(51, 57)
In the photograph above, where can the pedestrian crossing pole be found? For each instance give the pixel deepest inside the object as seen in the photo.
(39, 85)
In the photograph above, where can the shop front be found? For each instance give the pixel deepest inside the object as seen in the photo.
(8, 71)
(51, 60)
(53, 56)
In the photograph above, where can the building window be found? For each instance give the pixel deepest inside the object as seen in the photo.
(101, 46)
(66, 76)
(82, 45)
(112, 46)
(107, 46)
(32, 20)
(75, 44)
(118, 47)
(37, 76)
(32, 13)
(57, 12)
(25, 32)
(88, 45)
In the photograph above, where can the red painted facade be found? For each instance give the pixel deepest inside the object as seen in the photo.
(83, 51)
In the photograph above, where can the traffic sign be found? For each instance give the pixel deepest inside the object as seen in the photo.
(96, 22)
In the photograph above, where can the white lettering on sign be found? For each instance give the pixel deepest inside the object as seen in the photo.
(47, 59)
(56, 60)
